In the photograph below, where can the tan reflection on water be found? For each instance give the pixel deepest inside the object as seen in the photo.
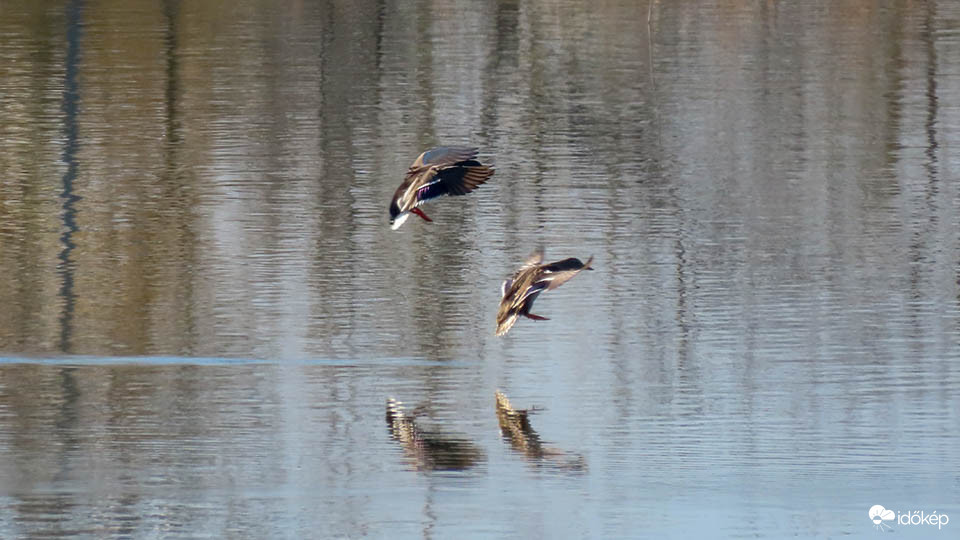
(516, 429)
(430, 449)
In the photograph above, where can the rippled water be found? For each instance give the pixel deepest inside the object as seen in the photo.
(204, 310)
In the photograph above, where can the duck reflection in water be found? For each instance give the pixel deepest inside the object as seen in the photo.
(430, 450)
(516, 429)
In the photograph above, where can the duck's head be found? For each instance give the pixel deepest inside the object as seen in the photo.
(396, 216)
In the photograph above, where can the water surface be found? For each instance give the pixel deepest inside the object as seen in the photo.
(204, 310)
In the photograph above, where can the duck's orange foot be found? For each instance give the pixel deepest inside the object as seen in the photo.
(420, 213)
(535, 317)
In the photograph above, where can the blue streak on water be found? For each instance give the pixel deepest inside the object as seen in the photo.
(70, 107)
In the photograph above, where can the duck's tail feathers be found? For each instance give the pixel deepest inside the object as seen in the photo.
(505, 325)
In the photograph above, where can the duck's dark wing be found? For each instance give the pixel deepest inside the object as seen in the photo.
(458, 179)
(464, 177)
(557, 273)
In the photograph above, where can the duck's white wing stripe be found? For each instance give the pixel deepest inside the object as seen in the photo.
(552, 280)
(533, 291)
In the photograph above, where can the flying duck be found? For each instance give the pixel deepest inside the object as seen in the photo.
(444, 170)
(520, 290)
